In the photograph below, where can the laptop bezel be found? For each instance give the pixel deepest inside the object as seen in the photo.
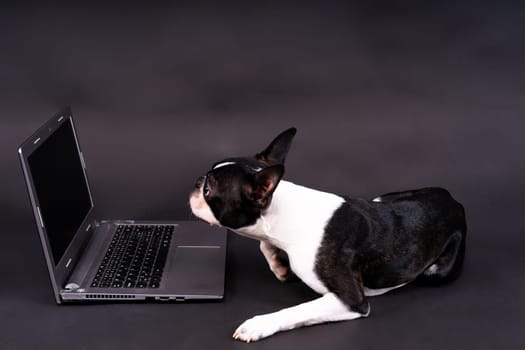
(58, 271)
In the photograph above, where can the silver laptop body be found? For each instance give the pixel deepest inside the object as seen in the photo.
(77, 244)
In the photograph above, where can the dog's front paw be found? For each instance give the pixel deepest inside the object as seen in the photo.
(279, 269)
(256, 328)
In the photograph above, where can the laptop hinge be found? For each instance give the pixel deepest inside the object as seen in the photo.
(79, 269)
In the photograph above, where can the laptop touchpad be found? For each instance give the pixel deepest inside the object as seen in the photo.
(196, 269)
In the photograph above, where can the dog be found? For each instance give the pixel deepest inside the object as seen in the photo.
(346, 249)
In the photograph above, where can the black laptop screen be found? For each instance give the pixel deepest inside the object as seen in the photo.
(61, 187)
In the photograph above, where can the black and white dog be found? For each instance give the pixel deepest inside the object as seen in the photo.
(343, 248)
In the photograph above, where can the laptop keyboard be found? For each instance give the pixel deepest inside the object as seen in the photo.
(135, 258)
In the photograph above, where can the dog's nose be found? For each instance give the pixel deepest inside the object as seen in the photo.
(199, 182)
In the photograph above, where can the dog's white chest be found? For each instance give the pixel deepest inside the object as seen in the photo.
(295, 223)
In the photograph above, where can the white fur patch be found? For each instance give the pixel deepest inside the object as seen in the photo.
(220, 165)
(431, 270)
(376, 292)
(201, 209)
(377, 199)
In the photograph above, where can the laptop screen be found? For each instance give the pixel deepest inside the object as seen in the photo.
(61, 187)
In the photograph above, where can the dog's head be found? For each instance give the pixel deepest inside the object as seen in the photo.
(236, 190)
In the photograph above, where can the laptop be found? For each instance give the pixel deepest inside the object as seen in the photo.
(90, 259)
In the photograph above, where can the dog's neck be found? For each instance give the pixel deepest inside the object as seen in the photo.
(294, 213)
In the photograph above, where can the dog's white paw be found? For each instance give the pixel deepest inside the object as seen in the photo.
(256, 328)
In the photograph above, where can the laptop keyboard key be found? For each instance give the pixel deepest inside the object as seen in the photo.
(135, 257)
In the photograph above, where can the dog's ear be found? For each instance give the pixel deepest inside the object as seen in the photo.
(276, 152)
(266, 181)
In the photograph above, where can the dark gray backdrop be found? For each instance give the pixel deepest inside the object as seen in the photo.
(386, 96)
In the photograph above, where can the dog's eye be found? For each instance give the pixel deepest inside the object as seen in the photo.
(206, 190)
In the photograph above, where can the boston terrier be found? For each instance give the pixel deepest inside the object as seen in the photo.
(346, 249)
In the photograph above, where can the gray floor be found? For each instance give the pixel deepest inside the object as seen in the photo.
(386, 97)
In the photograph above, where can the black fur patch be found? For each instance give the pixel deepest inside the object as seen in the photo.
(237, 193)
(387, 243)
(229, 199)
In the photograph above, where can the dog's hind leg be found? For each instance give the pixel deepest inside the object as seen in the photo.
(448, 266)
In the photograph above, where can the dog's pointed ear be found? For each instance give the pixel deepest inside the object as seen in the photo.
(276, 152)
(266, 181)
